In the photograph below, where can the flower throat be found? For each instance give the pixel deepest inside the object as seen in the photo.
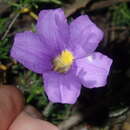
(62, 63)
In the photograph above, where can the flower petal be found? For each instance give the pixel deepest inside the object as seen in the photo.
(93, 70)
(30, 51)
(52, 25)
(61, 88)
(84, 36)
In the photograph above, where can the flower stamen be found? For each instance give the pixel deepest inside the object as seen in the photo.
(63, 62)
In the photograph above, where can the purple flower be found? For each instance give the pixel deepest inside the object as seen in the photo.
(63, 54)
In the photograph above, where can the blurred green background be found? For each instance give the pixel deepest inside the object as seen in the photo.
(112, 16)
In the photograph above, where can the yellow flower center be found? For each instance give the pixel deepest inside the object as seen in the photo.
(63, 62)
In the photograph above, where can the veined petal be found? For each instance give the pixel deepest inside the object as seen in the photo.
(52, 25)
(84, 36)
(93, 70)
(61, 88)
(30, 51)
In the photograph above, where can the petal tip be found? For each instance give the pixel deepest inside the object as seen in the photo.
(61, 101)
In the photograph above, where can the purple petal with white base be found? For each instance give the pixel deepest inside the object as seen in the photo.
(84, 36)
(93, 70)
(61, 88)
(30, 51)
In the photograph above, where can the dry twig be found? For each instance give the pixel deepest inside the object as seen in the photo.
(47, 109)
(73, 120)
(105, 3)
(77, 4)
(4, 6)
(10, 26)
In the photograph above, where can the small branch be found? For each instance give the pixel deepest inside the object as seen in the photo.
(47, 109)
(73, 120)
(105, 3)
(4, 6)
(118, 28)
(69, 110)
(69, 9)
(10, 26)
